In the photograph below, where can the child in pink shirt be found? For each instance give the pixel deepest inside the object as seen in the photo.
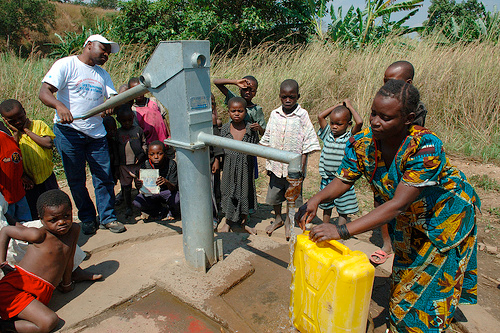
(149, 116)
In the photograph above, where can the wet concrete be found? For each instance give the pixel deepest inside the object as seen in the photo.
(152, 311)
(262, 299)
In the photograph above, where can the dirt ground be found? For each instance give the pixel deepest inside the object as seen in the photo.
(488, 220)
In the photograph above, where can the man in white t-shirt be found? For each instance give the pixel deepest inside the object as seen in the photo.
(82, 85)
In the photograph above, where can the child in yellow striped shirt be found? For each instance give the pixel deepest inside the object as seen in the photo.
(35, 139)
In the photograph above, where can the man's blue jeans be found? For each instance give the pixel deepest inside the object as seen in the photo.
(76, 149)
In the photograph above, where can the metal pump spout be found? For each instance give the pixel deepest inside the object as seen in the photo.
(294, 160)
(295, 167)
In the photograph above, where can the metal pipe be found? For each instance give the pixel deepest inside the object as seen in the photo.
(116, 100)
(196, 207)
(294, 160)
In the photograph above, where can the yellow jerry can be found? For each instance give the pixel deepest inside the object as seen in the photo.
(331, 287)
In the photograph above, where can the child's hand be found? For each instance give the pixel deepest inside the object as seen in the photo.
(10, 127)
(215, 165)
(242, 83)
(347, 104)
(107, 112)
(256, 127)
(28, 183)
(138, 183)
(161, 181)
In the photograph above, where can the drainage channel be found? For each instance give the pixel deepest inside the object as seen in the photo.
(155, 310)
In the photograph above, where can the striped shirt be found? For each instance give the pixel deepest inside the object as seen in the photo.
(333, 151)
(331, 157)
(37, 161)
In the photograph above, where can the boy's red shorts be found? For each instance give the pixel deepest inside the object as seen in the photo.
(19, 288)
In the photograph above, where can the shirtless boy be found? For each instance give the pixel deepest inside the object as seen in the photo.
(27, 288)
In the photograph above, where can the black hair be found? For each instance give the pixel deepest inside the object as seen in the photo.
(122, 111)
(239, 100)
(407, 67)
(343, 109)
(404, 92)
(108, 121)
(133, 80)
(290, 84)
(10, 104)
(52, 198)
(157, 143)
(252, 78)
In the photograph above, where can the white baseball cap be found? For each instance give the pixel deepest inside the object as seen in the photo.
(98, 38)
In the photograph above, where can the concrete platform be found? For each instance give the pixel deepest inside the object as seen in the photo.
(247, 292)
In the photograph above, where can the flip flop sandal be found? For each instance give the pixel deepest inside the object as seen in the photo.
(379, 257)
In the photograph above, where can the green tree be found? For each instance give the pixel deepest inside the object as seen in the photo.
(21, 16)
(227, 24)
(106, 4)
(373, 24)
(464, 21)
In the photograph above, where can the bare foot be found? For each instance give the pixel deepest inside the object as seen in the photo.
(250, 230)
(224, 227)
(82, 275)
(277, 223)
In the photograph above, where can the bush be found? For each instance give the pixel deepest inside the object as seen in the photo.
(226, 24)
(20, 16)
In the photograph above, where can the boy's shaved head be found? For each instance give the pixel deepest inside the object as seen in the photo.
(239, 100)
(133, 80)
(123, 88)
(51, 198)
(342, 109)
(123, 111)
(9, 105)
(399, 70)
(290, 84)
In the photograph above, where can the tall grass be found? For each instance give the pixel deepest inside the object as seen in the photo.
(458, 84)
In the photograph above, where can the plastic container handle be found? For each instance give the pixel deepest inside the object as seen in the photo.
(341, 248)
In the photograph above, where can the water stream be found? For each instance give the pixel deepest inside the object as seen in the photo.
(291, 195)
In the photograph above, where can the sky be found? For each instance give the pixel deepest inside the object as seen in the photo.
(416, 20)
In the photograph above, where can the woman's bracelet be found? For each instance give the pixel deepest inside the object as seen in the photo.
(67, 285)
(343, 232)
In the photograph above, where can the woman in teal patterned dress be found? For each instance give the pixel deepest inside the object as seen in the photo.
(428, 203)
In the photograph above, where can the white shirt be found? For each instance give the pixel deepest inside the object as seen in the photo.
(81, 87)
(291, 132)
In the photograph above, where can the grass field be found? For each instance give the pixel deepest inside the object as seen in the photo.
(457, 84)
